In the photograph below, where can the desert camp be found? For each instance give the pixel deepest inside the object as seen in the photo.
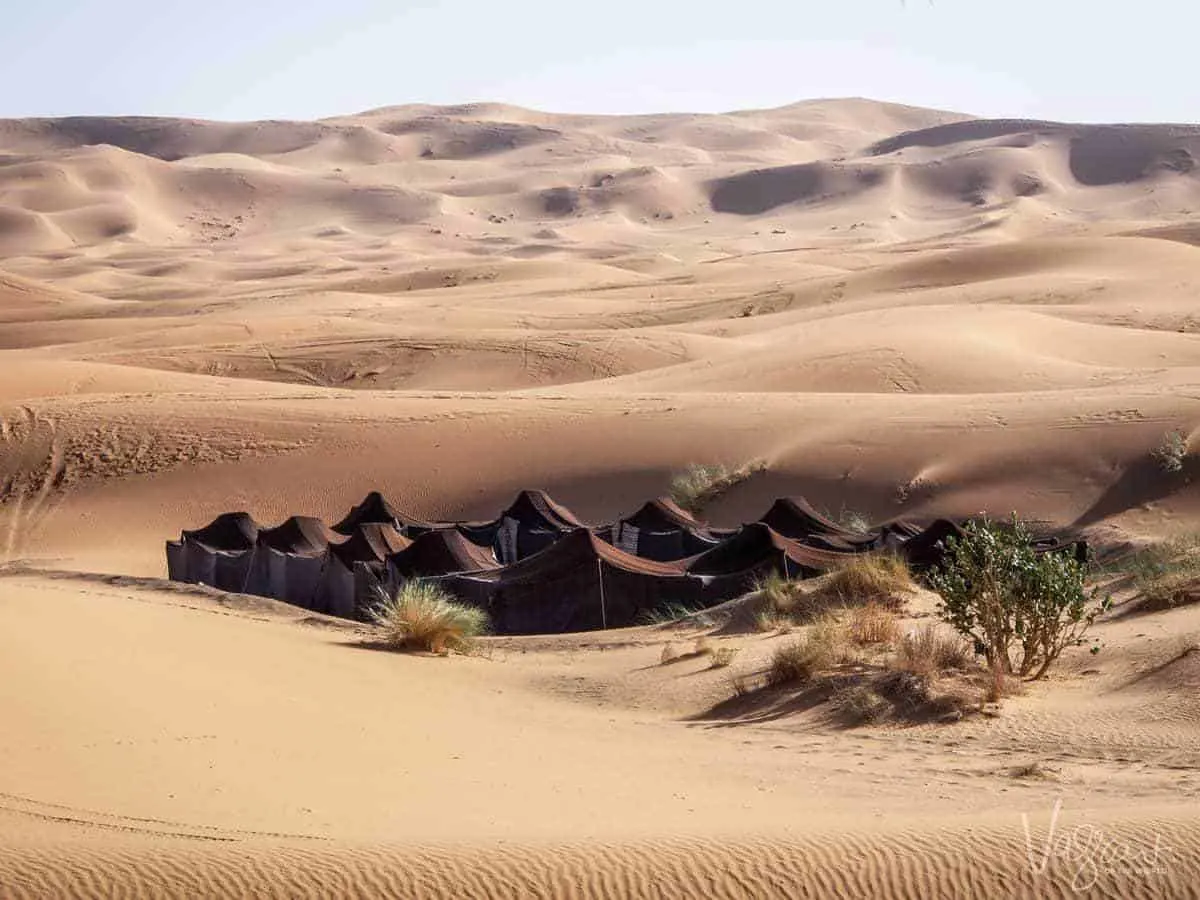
(526, 450)
(537, 568)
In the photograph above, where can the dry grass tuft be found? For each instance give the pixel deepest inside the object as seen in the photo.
(768, 622)
(930, 650)
(670, 653)
(873, 624)
(702, 647)
(860, 704)
(880, 578)
(699, 486)
(822, 647)
(422, 616)
(722, 657)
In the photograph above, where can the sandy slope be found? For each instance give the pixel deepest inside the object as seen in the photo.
(901, 311)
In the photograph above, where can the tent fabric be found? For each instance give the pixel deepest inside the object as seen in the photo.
(370, 542)
(579, 583)
(177, 561)
(757, 546)
(443, 552)
(530, 524)
(796, 519)
(228, 531)
(375, 509)
(660, 530)
(302, 535)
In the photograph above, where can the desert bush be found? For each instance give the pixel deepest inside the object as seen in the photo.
(932, 649)
(881, 578)
(822, 647)
(860, 703)
(873, 624)
(1164, 575)
(668, 613)
(1020, 608)
(779, 595)
(421, 616)
(1171, 452)
(700, 485)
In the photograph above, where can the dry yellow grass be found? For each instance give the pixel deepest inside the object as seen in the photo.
(881, 578)
(422, 616)
(823, 646)
(932, 649)
(699, 486)
(873, 624)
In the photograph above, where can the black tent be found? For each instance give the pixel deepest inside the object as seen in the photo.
(531, 523)
(580, 583)
(375, 508)
(660, 530)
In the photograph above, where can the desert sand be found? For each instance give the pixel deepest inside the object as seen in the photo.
(902, 312)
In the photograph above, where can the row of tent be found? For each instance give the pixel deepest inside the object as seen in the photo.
(536, 568)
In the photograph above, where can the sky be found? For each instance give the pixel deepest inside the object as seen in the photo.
(1073, 60)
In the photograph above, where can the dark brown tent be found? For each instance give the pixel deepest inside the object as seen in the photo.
(375, 508)
(660, 530)
(580, 583)
(530, 524)
(228, 531)
(290, 560)
(732, 568)
(220, 554)
(371, 542)
(795, 519)
(443, 552)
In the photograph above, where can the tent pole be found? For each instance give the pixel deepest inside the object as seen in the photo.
(603, 611)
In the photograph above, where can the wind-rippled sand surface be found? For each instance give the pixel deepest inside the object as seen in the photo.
(902, 312)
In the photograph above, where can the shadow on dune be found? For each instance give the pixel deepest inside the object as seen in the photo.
(1142, 482)
(764, 705)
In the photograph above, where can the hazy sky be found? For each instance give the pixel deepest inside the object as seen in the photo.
(1083, 60)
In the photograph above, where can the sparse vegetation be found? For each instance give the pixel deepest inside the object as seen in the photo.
(822, 647)
(873, 624)
(722, 657)
(1165, 575)
(1171, 452)
(668, 613)
(779, 595)
(670, 653)
(860, 704)
(880, 578)
(1020, 608)
(930, 650)
(421, 616)
(700, 485)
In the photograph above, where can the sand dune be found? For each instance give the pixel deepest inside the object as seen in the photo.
(901, 312)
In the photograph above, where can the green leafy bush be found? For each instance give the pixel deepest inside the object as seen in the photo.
(1020, 608)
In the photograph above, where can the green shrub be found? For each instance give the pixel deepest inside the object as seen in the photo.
(1020, 608)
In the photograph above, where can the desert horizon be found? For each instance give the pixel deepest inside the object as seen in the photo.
(903, 315)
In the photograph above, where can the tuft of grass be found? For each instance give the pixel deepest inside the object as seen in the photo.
(668, 613)
(822, 647)
(1164, 575)
(722, 657)
(1171, 452)
(768, 621)
(873, 624)
(702, 647)
(670, 653)
(1030, 770)
(860, 704)
(700, 485)
(930, 650)
(882, 578)
(779, 595)
(421, 616)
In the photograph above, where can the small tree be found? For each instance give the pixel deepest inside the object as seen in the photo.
(1020, 608)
